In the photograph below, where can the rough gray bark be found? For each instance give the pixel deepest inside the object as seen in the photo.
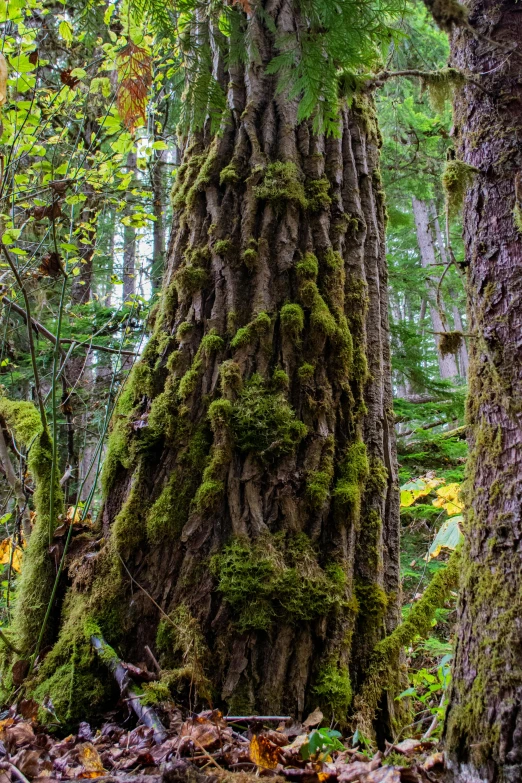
(421, 212)
(484, 723)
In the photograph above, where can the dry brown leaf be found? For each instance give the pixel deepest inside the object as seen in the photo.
(264, 753)
(409, 747)
(51, 265)
(383, 775)
(206, 734)
(20, 734)
(90, 760)
(134, 66)
(435, 760)
(28, 709)
(346, 773)
(314, 719)
(27, 761)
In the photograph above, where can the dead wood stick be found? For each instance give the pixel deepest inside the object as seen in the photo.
(153, 659)
(128, 688)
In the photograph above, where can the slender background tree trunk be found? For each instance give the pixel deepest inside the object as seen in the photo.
(421, 213)
(484, 724)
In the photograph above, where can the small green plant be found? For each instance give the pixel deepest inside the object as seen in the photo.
(320, 744)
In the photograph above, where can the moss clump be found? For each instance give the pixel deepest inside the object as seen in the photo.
(353, 473)
(263, 422)
(333, 690)
(210, 491)
(212, 343)
(321, 318)
(280, 380)
(308, 267)
(282, 183)
(189, 279)
(184, 651)
(155, 693)
(292, 320)
(249, 256)
(220, 413)
(306, 372)
(229, 174)
(377, 480)
(230, 376)
(128, 530)
(189, 381)
(184, 329)
(318, 488)
(517, 217)
(450, 342)
(333, 260)
(277, 577)
(206, 167)
(245, 336)
(317, 194)
(441, 86)
(384, 659)
(222, 247)
(456, 179)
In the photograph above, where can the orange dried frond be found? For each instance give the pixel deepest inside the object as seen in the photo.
(134, 80)
(245, 5)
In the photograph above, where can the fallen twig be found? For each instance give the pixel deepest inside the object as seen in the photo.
(128, 689)
(251, 718)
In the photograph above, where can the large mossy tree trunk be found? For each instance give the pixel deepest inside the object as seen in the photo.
(250, 479)
(484, 724)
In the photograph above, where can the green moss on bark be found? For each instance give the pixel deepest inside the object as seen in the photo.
(292, 320)
(282, 183)
(277, 577)
(456, 179)
(384, 660)
(263, 421)
(36, 580)
(247, 334)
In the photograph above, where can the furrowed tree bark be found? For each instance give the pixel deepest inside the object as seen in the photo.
(484, 722)
(251, 520)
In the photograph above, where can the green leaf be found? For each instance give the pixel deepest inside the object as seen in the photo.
(448, 537)
(66, 31)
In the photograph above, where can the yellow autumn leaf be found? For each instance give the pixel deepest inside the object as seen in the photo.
(448, 499)
(77, 516)
(264, 753)
(90, 760)
(5, 554)
(418, 488)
